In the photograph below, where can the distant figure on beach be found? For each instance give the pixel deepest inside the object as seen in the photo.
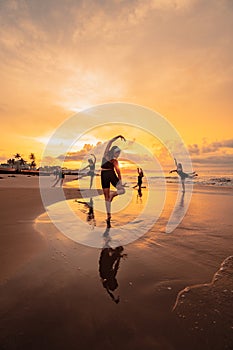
(60, 177)
(91, 172)
(140, 176)
(182, 175)
(111, 174)
(109, 263)
(56, 173)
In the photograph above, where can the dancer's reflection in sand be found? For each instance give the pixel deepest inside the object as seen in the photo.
(181, 203)
(90, 212)
(139, 196)
(109, 263)
(179, 209)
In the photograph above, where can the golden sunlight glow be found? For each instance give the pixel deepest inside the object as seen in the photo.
(146, 53)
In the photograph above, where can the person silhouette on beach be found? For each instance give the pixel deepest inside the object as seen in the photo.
(56, 173)
(91, 172)
(140, 176)
(60, 177)
(109, 263)
(182, 175)
(111, 174)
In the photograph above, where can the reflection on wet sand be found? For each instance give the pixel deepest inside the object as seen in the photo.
(139, 195)
(89, 212)
(109, 263)
(179, 210)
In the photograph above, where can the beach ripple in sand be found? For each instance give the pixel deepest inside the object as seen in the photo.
(206, 309)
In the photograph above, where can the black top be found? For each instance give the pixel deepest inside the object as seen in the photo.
(181, 174)
(92, 167)
(106, 164)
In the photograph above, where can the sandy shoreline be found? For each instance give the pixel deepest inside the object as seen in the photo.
(51, 295)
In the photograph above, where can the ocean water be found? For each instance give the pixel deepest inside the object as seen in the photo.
(205, 179)
(216, 180)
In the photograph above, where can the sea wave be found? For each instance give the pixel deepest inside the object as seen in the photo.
(204, 180)
(216, 181)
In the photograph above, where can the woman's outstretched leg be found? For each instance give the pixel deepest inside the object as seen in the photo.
(81, 176)
(192, 175)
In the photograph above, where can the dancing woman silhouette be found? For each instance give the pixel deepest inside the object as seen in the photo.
(183, 175)
(91, 172)
(111, 174)
(140, 176)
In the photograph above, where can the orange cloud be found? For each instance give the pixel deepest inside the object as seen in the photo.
(64, 56)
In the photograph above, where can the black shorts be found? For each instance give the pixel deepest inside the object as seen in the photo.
(108, 177)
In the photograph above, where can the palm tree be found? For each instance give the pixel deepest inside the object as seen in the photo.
(22, 161)
(33, 158)
(17, 156)
(18, 162)
(33, 164)
(11, 162)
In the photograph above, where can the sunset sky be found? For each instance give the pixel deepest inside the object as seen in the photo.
(173, 56)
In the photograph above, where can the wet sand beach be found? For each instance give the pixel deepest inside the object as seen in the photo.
(52, 295)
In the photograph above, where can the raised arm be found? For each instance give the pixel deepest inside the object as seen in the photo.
(111, 142)
(175, 162)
